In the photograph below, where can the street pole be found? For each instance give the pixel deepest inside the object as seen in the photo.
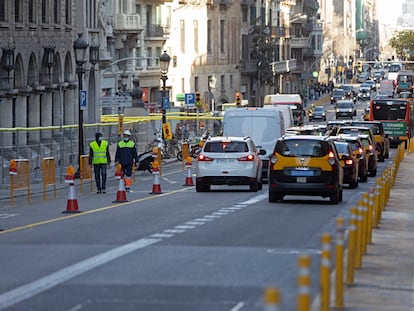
(164, 64)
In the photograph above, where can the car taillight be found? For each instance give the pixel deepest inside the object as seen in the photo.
(349, 162)
(204, 158)
(273, 159)
(371, 148)
(331, 159)
(249, 157)
(361, 151)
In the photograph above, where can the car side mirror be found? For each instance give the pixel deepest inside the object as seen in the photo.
(262, 151)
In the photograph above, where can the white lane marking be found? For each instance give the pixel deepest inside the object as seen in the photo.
(203, 219)
(173, 231)
(212, 216)
(5, 216)
(29, 290)
(161, 235)
(255, 199)
(238, 306)
(184, 227)
(195, 223)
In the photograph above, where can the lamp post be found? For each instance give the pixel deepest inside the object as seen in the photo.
(80, 46)
(164, 64)
(7, 60)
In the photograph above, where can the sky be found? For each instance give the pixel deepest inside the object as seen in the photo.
(389, 11)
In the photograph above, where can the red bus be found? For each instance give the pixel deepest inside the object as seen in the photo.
(396, 116)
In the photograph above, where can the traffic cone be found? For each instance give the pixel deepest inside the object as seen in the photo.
(156, 187)
(72, 204)
(189, 176)
(121, 193)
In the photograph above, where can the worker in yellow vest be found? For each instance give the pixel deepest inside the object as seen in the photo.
(126, 154)
(99, 157)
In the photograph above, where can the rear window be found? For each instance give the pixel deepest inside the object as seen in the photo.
(226, 146)
(342, 147)
(345, 105)
(302, 148)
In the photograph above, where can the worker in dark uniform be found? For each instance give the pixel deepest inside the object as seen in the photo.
(99, 157)
(126, 154)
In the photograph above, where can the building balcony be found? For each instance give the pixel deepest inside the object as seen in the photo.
(284, 66)
(309, 52)
(157, 32)
(248, 66)
(299, 43)
(128, 23)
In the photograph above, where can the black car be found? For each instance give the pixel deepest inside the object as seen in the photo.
(337, 94)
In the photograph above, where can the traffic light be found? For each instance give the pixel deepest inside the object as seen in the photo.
(238, 99)
(198, 99)
(359, 66)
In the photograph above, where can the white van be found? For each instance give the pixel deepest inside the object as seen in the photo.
(264, 126)
(287, 113)
(292, 100)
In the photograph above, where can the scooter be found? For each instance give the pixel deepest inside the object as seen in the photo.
(145, 160)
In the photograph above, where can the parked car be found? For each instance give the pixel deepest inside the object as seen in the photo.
(305, 165)
(348, 163)
(317, 113)
(345, 109)
(229, 161)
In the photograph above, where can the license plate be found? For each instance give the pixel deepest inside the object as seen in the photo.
(301, 179)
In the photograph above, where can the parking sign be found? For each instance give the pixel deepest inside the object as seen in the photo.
(83, 101)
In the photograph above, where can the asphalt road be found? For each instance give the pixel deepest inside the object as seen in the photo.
(179, 250)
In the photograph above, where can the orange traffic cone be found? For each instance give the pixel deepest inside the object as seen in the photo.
(156, 187)
(189, 176)
(72, 204)
(121, 193)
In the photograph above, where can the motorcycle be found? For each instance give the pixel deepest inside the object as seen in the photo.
(145, 160)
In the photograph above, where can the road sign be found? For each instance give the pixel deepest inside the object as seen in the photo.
(189, 100)
(116, 101)
(83, 100)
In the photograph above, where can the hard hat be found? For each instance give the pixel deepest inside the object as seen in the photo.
(127, 132)
(98, 134)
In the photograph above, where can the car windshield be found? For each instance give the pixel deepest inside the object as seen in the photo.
(226, 146)
(365, 84)
(344, 105)
(319, 109)
(338, 92)
(302, 148)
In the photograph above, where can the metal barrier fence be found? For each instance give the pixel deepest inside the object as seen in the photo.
(61, 142)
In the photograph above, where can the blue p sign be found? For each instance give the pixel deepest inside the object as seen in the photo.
(82, 99)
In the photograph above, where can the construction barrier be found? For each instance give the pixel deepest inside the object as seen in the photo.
(303, 281)
(156, 187)
(271, 299)
(49, 175)
(86, 172)
(19, 177)
(339, 263)
(325, 271)
(121, 193)
(189, 174)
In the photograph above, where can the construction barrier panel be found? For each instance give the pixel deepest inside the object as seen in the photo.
(19, 177)
(86, 172)
(49, 175)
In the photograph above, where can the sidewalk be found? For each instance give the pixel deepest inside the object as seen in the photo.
(386, 279)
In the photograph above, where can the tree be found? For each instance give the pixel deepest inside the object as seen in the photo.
(403, 43)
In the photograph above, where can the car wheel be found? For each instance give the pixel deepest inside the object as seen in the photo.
(387, 155)
(364, 177)
(202, 187)
(272, 197)
(254, 185)
(374, 172)
(260, 186)
(353, 184)
(340, 196)
(381, 158)
(334, 197)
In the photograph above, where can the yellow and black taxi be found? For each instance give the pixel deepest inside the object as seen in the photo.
(348, 163)
(369, 147)
(305, 165)
(359, 155)
(381, 139)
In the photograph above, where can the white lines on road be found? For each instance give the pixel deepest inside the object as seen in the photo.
(184, 227)
(238, 306)
(174, 231)
(161, 235)
(41, 285)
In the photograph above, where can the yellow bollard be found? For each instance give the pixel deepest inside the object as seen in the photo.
(383, 197)
(325, 271)
(371, 205)
(351, 246)
(304, 280)
(339, 263)
(271, 299)
(364, 202)
(358, 240)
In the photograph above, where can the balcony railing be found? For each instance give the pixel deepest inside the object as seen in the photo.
(299, 43)
(284, 66)
(157, 31)
(127, 22)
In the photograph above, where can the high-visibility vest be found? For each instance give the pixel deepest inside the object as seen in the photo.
(99, 152)
(126, 144)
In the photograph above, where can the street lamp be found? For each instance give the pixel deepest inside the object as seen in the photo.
(164, 64)
(7, 60)
(80, 46)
